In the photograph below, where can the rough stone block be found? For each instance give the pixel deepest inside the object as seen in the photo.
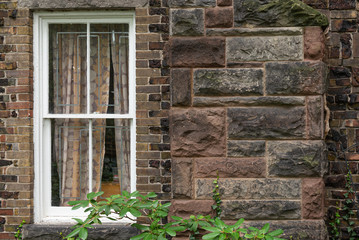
(197, 52)
(248, 101)
(251, 32)
(224, 3)
(187, 22)
(313, 43)
(228, 82)
(315, 114)
(49, 4)
(185, 208)
(305, 78)
(182, 174)
(266, 123)
(250, 188)
(241, 49)
(197, 132)
(230, 167)
(246, 148)
(260, 209)
(281, 13)
(340, 4)
(192, 3)
(181, 84)
(313, 198)
(297, 158)
(219, 17)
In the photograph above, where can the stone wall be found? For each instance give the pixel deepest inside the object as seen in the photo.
(248, 104)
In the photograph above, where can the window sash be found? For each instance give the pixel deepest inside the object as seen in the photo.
(43, 210)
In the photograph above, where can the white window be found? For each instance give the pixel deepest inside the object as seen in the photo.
(84, 115)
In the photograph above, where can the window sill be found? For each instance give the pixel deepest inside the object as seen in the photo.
(117, 231)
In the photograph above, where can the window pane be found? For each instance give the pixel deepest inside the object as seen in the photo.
(109, 68)
(69, 160)
(67, 76)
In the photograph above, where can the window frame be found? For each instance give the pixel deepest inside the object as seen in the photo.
(43, 211)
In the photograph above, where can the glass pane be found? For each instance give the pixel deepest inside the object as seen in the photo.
(67, 70)
(69, 160)
(109, 68)
(111, 156)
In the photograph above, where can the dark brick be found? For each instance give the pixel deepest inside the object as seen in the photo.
(345, 41)
(343, 98)
(339, 72)
(165, 19)
(159, 80)
(7, 195)
(8, 178)
(159, 28)
(165, 105)
(166, 188)
(154, 163)
(158, 11)
(341, 4)
(156, 45)
(160, 147)
(318, 4)
(344, 25)
(335, 181)
(154, 63)
(154, 97)
(5, 162)
(155, 3)
(165, 72)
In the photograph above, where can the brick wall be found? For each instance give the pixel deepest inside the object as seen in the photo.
(16, 164)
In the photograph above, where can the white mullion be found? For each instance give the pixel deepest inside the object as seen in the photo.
(90, 155)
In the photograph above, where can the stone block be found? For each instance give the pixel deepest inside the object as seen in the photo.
(251, 32)
(227, 82)
(86, 4)
(197, 52)
(303, 230)
(250, 188)
(260, 209)
(275, 48)
(224, 3)
(187, 22)
(281, 13)
(317, 4)
(182, 174)
(197, 132)
(246, 148)
(315, 113)
(341, 5)
(313, 194)
(248, 101)
(266, 123)
(219, 17)
(192, 3)
(313, 43)
(297, 158)
(294, 78)
(186, 208)
(181, 84)
(229, 167)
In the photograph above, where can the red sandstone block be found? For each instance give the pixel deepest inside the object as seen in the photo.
(313, 43)
(224, 3)
(313, 193)
(219, 17)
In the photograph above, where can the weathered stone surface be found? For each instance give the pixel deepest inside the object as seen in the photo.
(266, 123)
(287, 31)
(315, 114)
(241, 49)
(181, 84)
(70, 4)
(313, 198)
(185, 208)
(197, 132)
(340, 5)
(260, 209)
(230, 167)
(317, 4)
(197, 52)
(246, 148)
(314, 43)
(192, 3)
(250, 189)
(219, 17)
(297, 158)
(248, 101)
(224, 3)
(295, 78)
(182, 174)
(303, 230)
(187, 22)
(99, 232)
(278, 13)
(227, 82)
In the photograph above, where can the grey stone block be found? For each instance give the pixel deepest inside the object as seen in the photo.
(246, 148)
(260, 209)
(192, 3)
(187, 22)
(182, 174)
(250, 189)
(85, 4)
(181, 84)
(228, 82)
(251, 32)
(297, 158)
(241, 49)
(266, 123)
(291, 78)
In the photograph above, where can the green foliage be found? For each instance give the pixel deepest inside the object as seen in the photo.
(129, 205)
(335, 225)
(18, 234)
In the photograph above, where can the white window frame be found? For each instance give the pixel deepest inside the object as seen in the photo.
(43, 211)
